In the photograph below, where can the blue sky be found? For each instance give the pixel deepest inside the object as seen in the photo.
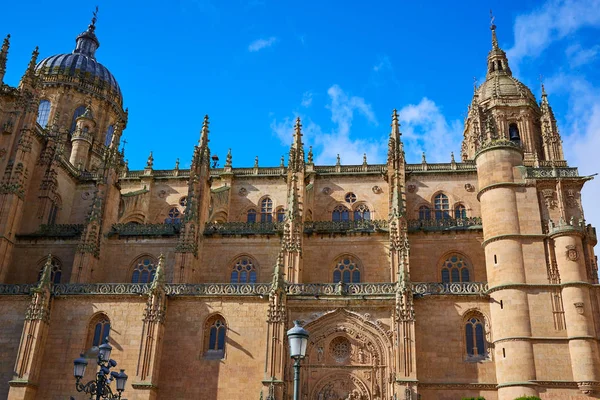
(341, 66)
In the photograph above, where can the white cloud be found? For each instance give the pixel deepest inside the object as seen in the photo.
(425, 129)
(556, 19)
(579, 56)
(260, 44)
(328, 144)
(307, 98)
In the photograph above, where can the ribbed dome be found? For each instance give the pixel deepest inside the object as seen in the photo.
(81, 64)
(503, 85)
(77, 65)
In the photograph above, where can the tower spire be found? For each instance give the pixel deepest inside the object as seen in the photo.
(493, 29)
(30, 72)
(4, 57)
(204, 133)
(296, 158)
(87, 43)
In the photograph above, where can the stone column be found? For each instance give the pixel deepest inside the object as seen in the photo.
(583, 346)
(24, 384)
(509, 306)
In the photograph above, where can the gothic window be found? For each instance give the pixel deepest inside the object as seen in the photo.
(53, 213)
(280, 215)
(442, 206)
(183, 201)
(43, 113)
(251, 216)
(266, 210)
(513, 133)
(475, 337)
(460, 211)
(424, 213)
(100, 329)
(55, 271)
(455, 269)
(109, 134)
(173, 216)
(244, 271)
(144, 270)
(214, 337)
(78, 113)
(340, 213)
(362, 213)
(350, 198)
(346, 270)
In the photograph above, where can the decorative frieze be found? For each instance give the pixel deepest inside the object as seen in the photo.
(445, 224)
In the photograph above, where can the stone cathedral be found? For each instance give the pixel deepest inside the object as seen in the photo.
(471, 278)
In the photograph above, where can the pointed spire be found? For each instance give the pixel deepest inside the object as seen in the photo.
(4, 56)
(297, 143)
(228, 159)
(338, 161)
(310, 155)
(46, 278)
(150, 161)
(493, 29)
(177, 164)
(204, 133)
(395, 125)
(282, 163)
(159, 275)
(30, 72)
(87, 43)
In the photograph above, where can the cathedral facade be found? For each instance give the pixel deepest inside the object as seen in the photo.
(416, 281)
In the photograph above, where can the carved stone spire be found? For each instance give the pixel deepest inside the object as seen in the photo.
(87, 43)
(493, 29)
(29, 75)
(497, 60)
(228, 159)
(296, 158)
(551, 140)
(395, 147)
(4, 57)
(150, 161)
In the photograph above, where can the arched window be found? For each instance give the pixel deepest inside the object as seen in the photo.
(280, 214)
(109, 134)
(455, 269)
(144, 270)
(424, 213)
(513, 133)
(460, 211)
(244, 271)
(251, 216)
(442, 206)
(54, 207)
(100, 329)
(43, 113)
(55, 271)
(346, 270)
(475, 337)
(266, 210)
(78, 113)
(340, 213)
(214, 337)
(362, 213)
(173, 216)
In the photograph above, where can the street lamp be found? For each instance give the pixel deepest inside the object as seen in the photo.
(100, 387)
(298, 339)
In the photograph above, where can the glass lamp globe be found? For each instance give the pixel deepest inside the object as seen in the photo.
(298, 340)
(79, 366)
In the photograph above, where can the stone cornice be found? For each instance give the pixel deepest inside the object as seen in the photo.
(542, 338)
(512, 236)
(501, 185)
(455, 385)
(498, 144)
(505, 286)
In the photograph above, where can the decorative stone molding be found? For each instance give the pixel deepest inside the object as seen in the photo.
(564, 172)
(579, 307)
(243, 228)
(500, 185)
(457, 386)
(572, 254)
(446, 224)
(345, 226)
(411, 188)
(571, 198)
(326, 190)
(469, 187)
(243, 192)
(548, 196)
(145, 230)
(377, 189)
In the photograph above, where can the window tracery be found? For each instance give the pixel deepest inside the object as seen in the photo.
(280, 214)
(460, 211)
(350, 198)
(173, 216)
(455, 268)
(215, 332)
(144, 270)
(346, 270)
(251, 216)
(100, 329)
(424, 213)
(475, 337)
(442, 206)
(362, 213)
(340, 213)
(243, 271)
(43, 113)
(266, 210)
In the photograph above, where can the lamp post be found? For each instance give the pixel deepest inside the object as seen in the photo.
(100, 387)
(298, 339)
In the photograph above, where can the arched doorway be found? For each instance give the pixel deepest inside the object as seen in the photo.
(348, 358)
